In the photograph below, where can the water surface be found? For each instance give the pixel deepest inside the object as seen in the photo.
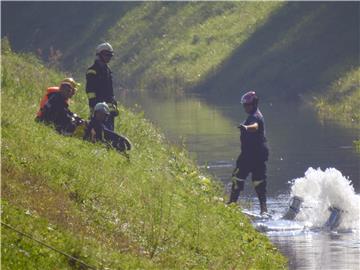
(297, 141)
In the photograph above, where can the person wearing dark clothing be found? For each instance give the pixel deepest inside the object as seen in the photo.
(55, 109)
(254, 152)
(97, 131)
(99, 86)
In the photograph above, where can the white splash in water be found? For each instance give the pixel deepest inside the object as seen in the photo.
(322, 189)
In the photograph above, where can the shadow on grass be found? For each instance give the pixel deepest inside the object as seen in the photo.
(303, 47)
(73, 28)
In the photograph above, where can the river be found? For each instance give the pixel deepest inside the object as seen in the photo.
(297, 141)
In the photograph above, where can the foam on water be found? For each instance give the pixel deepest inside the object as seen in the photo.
(322, 189)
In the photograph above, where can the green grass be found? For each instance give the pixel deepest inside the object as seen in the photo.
(357, 145)
(73, 29)
(159, 46)
(156, 211)
(174, 46)
(342, 101)
(280, 49)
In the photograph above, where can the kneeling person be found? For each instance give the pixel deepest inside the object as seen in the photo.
(96, 130)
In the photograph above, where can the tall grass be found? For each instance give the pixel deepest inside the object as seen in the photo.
(154, 211)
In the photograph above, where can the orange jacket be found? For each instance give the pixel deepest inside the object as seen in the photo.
(45, 98)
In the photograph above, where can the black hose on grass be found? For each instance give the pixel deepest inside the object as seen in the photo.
(48, 246)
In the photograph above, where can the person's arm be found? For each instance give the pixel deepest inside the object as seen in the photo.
(250, 128)
(90, 133)
(91, 85)
(51, 109)
(252, 124)
(110, 135)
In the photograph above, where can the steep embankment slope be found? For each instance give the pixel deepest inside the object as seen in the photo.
(155, 211)
(282, 50)
(61, 33)
(342, 101)
(170, 47)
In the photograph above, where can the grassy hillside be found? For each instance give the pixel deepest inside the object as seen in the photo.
(175, 46)
(342, 101)
(281, 49)
(302, 48)
(156, 211)
(61, 33)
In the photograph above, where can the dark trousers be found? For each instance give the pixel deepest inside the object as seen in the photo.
(110, 122)
(245, 166)
(120, 143)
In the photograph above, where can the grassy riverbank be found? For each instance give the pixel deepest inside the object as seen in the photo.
(341, 103)
(156, 211)
(159, 46)
(170, 47)
(280, 49)
(342, 100)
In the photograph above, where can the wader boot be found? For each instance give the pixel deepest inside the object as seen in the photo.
(260, 188)
(236, 188)
(263, 208)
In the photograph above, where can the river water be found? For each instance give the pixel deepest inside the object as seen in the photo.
(297, 141)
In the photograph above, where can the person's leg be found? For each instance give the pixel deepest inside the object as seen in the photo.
(236, 188)
(109, 122)
(259, 182)
(123, 144)
(120, 143)
(238, 180)
(260, 188)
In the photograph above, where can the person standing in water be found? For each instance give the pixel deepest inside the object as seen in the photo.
(254, 152)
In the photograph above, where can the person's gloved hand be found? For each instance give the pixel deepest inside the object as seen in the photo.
(77, 120)
(242, 127)
(114, 111)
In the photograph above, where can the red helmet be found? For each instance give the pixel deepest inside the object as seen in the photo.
(250, 98)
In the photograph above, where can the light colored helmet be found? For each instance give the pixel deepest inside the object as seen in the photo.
(102, 107)
(104, 47)
(70, 81)
(250, 98)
